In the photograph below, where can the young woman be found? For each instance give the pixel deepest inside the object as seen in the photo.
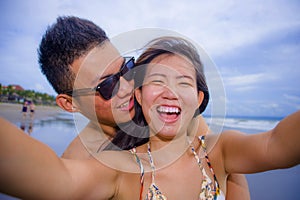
(171, 165)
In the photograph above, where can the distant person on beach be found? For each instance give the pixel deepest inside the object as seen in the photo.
(32, 109)
(24, 109)
(72, 45)
(172, 92)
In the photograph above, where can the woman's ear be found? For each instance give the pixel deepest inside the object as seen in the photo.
(138, 95)
(200, 97)
(65, 102)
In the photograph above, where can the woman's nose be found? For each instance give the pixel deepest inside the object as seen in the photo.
(169, 92)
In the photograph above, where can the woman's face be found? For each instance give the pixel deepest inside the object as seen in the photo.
(169, 95)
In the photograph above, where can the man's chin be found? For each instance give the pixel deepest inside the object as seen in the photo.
(124, 120)
(123, 117)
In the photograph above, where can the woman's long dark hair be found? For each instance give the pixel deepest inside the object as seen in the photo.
(136, 132)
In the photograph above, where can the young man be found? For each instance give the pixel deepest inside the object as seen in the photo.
(75, 47)
(77, 57)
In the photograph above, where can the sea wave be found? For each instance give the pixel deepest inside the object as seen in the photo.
(244, 124)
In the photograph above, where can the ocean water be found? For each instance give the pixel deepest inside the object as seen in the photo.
(57, 132)
(245, 124)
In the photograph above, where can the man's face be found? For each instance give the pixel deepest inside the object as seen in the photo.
(92, 69)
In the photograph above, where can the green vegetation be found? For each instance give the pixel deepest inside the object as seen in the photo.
(11, 95)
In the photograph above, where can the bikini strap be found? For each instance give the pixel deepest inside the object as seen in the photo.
(203, 145)
(133, 151)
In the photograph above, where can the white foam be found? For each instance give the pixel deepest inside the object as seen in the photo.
(244, 124)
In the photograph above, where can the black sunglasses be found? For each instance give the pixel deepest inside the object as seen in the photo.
(110, 86)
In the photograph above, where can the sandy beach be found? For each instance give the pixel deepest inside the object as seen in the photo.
(13, 112)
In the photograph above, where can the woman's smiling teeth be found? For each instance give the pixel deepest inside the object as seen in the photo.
(168, 110)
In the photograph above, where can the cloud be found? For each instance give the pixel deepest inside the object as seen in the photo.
(293, 98)
(243, 80)
(255, 44)
(39, 87)
(224, 26)
(247, 82)
(292, 101)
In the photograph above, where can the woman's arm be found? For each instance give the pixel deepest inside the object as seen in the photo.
(237, 187)
(277, 148)
(31, 170)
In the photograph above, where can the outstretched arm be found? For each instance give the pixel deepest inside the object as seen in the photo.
(283, 148)
(31, 170)
(23, 161)
(277, 148)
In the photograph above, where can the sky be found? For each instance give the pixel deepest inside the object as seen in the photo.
(255, 45)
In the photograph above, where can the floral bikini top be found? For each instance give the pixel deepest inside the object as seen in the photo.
(209, 189)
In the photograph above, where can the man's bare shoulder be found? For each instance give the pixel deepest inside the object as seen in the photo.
(76, 150)
(88, 142)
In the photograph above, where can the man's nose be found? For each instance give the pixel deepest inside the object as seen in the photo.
(126, 88)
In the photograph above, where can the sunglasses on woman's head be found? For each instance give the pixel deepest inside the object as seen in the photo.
(110, 86)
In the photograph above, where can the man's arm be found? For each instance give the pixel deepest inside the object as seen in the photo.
(31, 170)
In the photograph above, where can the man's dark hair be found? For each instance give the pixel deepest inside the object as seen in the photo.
(64, 42)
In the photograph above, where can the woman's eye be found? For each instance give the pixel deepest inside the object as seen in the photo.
(185, 84)
(159, 82)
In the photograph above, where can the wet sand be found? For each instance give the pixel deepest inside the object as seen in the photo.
(13, 112)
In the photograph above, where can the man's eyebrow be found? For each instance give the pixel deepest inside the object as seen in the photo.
(104, 77)
(99, 78)
(95, 80)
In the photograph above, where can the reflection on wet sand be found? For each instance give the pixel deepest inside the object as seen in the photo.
(27, 126)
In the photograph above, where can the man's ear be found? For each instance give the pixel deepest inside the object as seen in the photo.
(138, 95)
(65, 102)
(200, 97)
